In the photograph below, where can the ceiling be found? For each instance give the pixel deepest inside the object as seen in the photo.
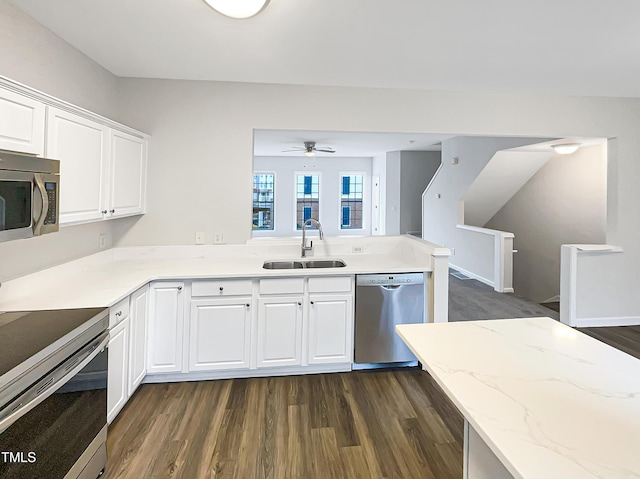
(345, 144)
(572, 47)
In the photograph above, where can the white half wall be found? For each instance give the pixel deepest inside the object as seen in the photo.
(565, 202)
(32, 55)
(329, 169)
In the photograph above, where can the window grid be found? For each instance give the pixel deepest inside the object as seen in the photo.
(263, 201)
(307, 199)
(351, 201)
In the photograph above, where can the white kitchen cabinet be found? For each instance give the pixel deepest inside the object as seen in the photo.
(138, 319)
(117, 380)
(166, 323)
(220, 333)
(22, 123)
(279, 331)
(82, 146)
(128, 175)
(330, 328)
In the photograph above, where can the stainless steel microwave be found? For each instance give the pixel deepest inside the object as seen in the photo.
(29, 196)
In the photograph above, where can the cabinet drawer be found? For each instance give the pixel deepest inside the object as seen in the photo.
(118, 312)
(330, 284)
(222, 287)
(282, 286)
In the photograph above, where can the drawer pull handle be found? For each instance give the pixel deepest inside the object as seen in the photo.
(119, 313)
(221, 288)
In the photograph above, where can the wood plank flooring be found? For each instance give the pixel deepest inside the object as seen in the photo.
(367, 424)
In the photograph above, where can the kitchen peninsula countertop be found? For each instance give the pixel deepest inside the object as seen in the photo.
(548, 400)
(103, 279)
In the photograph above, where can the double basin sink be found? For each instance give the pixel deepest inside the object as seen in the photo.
(300, 264)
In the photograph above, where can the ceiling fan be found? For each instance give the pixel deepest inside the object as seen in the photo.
(310, 149)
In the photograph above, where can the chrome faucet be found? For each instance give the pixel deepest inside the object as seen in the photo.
(306, 248)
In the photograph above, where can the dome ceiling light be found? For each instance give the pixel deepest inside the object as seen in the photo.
(238, 8)
(566, 148)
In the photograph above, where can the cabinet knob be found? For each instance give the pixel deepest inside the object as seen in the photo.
(299, 304)
(311, 302)
(248, 305)
(179, 288)
(119, 313)
(112, 211)
(104, 212)
(221, 288)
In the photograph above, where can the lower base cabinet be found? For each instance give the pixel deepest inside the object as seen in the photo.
(117, 379)
(280, 331)
(166, 323)
(330, 328)
(220, 334)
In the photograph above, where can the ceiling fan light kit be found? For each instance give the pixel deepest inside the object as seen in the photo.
(238, 8)
(566, 148)
(310, 149)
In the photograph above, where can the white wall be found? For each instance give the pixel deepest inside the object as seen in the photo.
(416, 170)
(565, 202)
(379, 169)
(32, 55)
(393, 182)
(329, 169)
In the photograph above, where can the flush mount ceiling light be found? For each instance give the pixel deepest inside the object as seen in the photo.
(566, 148)
(238, 8)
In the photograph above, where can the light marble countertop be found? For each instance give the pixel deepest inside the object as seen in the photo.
(549, 401)
(102, 279)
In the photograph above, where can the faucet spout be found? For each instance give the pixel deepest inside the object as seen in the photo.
(309, 222)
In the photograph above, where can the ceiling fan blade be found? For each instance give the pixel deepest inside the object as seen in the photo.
(323, 150)
(295, 149)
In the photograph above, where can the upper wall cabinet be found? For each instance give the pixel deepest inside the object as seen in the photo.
(128, 174)
(21, 123)
(82, 146)
(103, 164)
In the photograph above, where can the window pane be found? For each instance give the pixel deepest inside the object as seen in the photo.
(351, 201)
(263, 204)
(307, 198)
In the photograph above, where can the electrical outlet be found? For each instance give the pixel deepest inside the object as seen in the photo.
(199, 237)
(356, 249)
(218, 238)
(102, 241)
(453, 251)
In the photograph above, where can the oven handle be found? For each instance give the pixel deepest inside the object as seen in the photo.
(53, 381)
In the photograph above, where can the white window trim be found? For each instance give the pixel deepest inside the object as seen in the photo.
(295, 196)
(365, 199)
(270, 232)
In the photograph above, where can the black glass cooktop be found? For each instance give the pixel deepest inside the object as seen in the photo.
(24, 334)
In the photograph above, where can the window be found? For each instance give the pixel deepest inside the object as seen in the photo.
(351, 201)
(307, 198)
(263, 204)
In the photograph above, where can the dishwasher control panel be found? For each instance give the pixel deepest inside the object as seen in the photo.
(389, 279)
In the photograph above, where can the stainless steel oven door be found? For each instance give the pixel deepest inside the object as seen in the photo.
(47, 429)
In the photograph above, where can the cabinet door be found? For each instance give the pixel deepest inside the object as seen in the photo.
(220, 334)
(82, 146)
(280, 331)
(128, 174)
(138, 318)
(330, 328)
(117, 371)
(166, 321)
(21, 123)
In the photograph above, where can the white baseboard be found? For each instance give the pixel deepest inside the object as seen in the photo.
(247, 373)
(473, 275)
(611, 321)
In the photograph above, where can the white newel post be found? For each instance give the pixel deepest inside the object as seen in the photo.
(437, 294)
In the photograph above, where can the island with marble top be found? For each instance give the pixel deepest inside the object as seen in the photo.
(540, 399)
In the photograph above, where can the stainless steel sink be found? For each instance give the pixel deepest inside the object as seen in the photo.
(314, 263)
(324, 263)
(283, 265)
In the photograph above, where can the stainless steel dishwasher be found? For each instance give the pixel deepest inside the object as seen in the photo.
(382, 301)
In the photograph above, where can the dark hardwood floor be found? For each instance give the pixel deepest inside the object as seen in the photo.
(367, 424)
